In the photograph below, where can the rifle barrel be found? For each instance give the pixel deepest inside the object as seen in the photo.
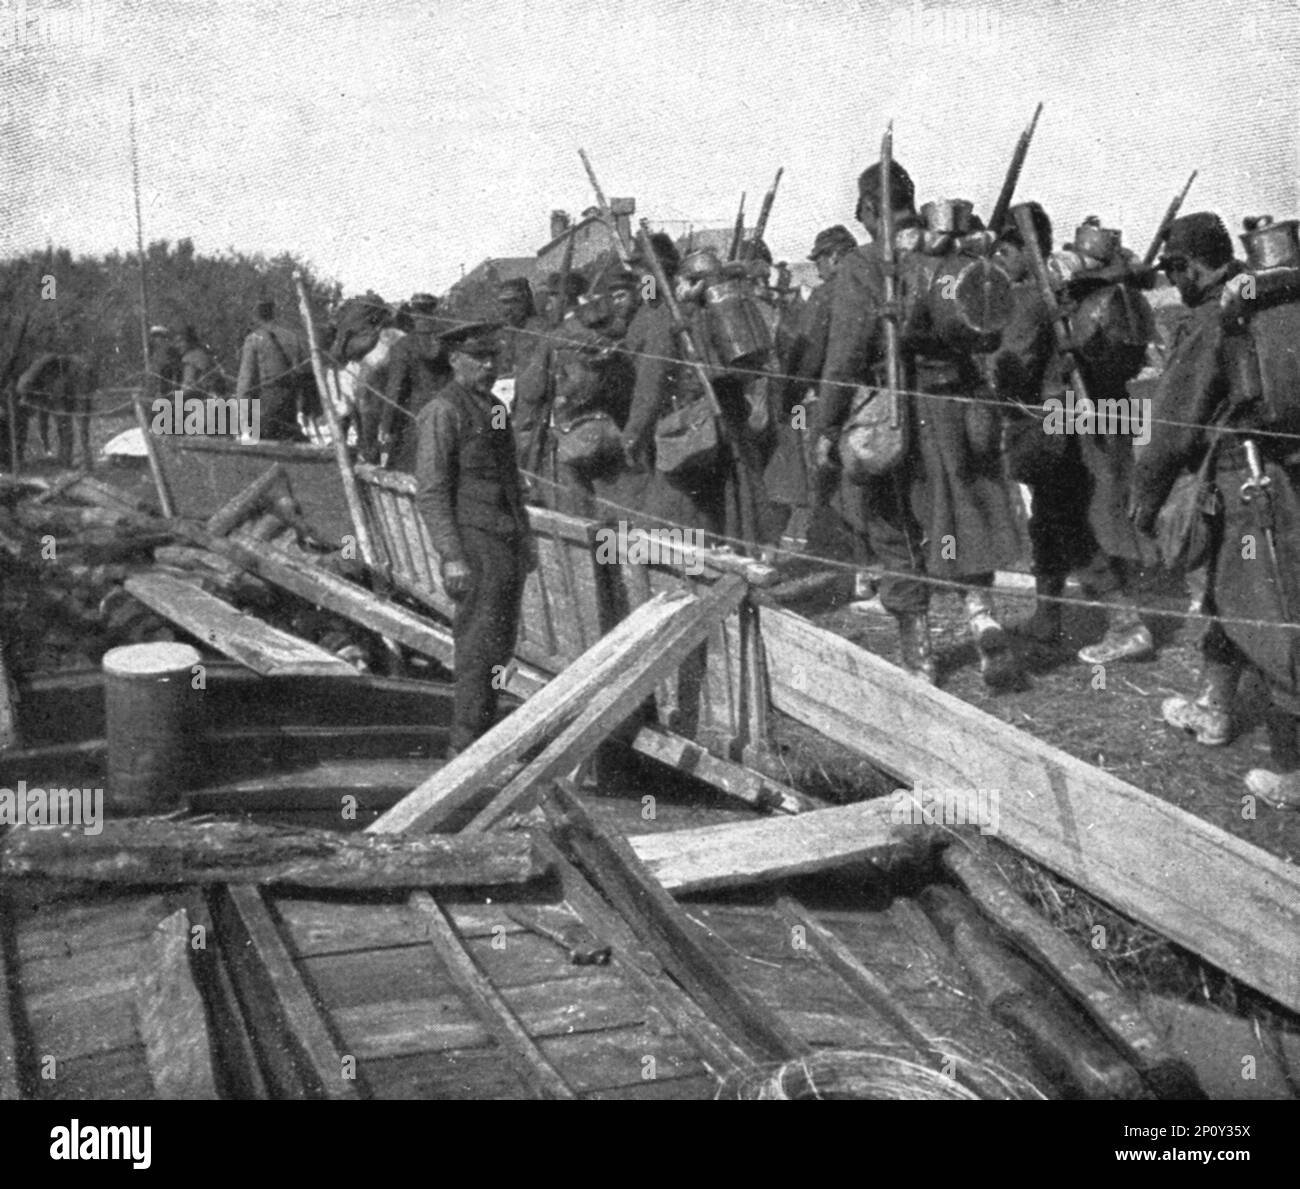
(1162, 232)
(760, 228)
(1008, 191)
(738, 231)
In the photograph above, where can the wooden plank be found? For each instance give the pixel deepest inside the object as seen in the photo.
(112, 919)
(244, 638)
(620, 1057)
(658, 921)
(302, 1060)
(518, 1046)
(591, 1003)
(423, 565)
(645, 664)
(477, 1074)
(173, 1021)
(119, 1075)
(1233, 904)
(317, 927)
(371, 784)
(754, 788)
(1117, 1014)
(242, 505)
(10, 1082)
(8, 708)
(154, 851)
(486, 761)
(740, 853)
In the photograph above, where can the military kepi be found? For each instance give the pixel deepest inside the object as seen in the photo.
(474, 338)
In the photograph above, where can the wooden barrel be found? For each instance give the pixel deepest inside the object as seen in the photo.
(152, 718)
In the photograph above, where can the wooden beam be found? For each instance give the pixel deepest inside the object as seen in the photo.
(688, 757)
(641, 668)
(301, 1059)
(155, 851)
(8, 708)
(1115, 1012)
(246, 502)
(741, 853)
(172, 1020)
(485, 762)
(242, 637)
(612, 865)
(1234, 904)
(10, 1081)
(493, 1012)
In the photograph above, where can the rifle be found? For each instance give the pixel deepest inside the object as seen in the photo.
(624, 253)
(889, 262)
(1003, 204)
(738, 231)
(760, 228)
(537, 438)
(11, 396)
(1060, 323)
(1162, 232)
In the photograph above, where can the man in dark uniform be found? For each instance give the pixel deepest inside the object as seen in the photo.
(200, 375)
(553, 301)
(1245, 378)
(521, 328)
(274, 369)
(945, 511)
(572, 401)
(468, 490)
(164, 365)
(801, 350)
(1080, 482)
(417, 369)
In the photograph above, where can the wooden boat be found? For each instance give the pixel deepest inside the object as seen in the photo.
(490, 991)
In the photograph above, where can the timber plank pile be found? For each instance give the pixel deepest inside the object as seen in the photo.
(489, 936)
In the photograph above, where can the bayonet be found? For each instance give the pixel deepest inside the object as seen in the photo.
(1008, 191)
(1162, 232)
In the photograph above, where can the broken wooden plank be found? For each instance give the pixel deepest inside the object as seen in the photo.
(172, 1020)
(613, 867)
(643, 666)
(754, 788)
(10, 1086)
(244, 638)
(243, 504)
(1115, 1012)
(300, 1057)
(8, 707)
(740, 853)
(485, 763)
(496, 1015)
(154, 851)
(1234, 904)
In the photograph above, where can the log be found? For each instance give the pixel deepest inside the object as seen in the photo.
(242, 637)
(1235, 905)
(172, 1021)
(642, 665)
(1111, 1009)
(740, 853)
(484, 763)
(154, 851)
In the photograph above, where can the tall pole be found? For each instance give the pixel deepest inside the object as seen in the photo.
(150, 446)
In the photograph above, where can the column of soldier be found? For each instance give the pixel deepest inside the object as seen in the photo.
(898, 405)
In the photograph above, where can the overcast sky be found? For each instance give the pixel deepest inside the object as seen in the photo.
(393, 142)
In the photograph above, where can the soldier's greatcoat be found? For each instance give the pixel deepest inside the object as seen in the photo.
(947, 510)
(1198, 386)
(418, 368)
(274, 368)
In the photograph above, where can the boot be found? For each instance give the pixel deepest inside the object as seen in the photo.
(917, 654)
(1209, 717)
(1127, 638)
(1044, 625)
(997, 662)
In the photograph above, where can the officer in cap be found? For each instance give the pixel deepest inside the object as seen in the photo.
(469, 491)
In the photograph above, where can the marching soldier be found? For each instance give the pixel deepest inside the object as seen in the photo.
(417, 369)
(1080, 482)
(274, 368)
(468, 489)
(945, 511)
(164, 365)
(200, 375)
(572, 401)
(1232, 388)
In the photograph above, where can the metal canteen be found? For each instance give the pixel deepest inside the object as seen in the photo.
(969, 301)
(740, 335)
(1273, 245)
(950, 215)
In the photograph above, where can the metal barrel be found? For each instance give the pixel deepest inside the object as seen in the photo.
(152, 712)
